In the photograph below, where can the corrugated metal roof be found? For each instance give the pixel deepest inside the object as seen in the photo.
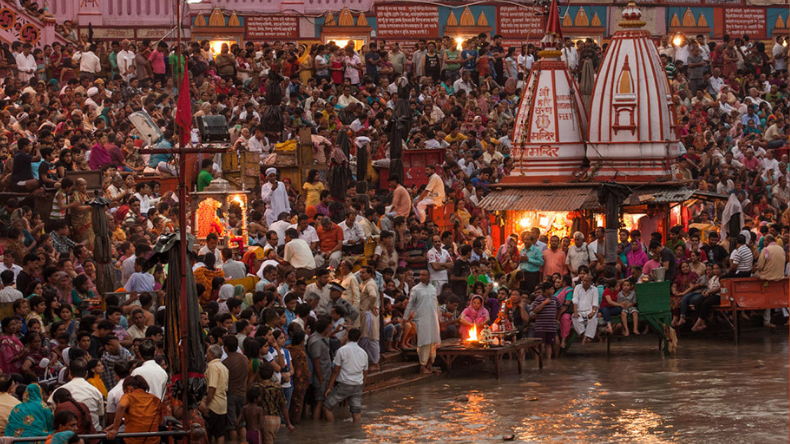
(541, 199)
(658, 195)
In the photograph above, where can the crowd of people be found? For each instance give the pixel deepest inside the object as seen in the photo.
(347, 274)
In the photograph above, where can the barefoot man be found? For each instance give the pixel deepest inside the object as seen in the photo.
(585, 309)
(424, 309)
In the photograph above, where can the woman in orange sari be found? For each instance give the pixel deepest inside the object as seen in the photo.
(138, 410)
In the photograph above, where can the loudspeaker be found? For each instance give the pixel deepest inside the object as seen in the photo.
(148, 129)
(213, 129)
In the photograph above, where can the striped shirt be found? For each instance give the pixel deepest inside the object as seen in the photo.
(546, 321)
(743, 257)
(58, 211)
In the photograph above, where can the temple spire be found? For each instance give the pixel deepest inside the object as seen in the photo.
(632, 16)
(553, 32)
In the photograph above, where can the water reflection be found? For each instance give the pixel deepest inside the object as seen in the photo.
(710, 392)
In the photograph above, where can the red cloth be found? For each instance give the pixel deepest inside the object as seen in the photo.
(553, 23)
(612, 294)
(184, 109)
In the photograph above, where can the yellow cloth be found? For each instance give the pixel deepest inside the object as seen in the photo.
(313, 192)
(96, 381)
(288, 145)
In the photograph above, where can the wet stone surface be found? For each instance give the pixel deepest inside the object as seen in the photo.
(709, 392)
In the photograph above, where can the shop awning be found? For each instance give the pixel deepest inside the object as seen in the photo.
(650, 195)
(541, 199)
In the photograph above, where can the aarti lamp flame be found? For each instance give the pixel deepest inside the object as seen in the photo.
(473, 334)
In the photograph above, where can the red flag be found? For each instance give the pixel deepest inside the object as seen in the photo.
(184, 109)
(553, 30)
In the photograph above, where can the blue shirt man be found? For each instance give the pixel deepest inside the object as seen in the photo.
(750, 116)
(531, 257)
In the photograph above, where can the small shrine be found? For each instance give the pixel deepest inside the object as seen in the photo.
(345, 30)
(690, 26)
(581, 26)
(220, 28)
(551, 123)
(632, 127)
(467, 27)
(222, 210)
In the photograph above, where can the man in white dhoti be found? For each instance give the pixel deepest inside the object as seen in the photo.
(585, 308)
(433, 194)
(424, 309)
(274, 194)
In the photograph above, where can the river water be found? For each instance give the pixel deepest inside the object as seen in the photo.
(709, 392)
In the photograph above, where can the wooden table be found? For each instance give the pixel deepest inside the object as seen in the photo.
(449, 353)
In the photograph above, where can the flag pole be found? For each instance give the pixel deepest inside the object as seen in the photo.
(182, 226)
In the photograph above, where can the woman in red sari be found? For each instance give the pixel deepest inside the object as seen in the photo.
(12, 352)
(301, 374)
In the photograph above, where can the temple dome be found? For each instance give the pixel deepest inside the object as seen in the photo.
(551, 123)
(632, 128)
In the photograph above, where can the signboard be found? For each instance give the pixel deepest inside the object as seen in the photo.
(110, 33)
(153, 33)
(518, 21)
(271, 27)
(740, 21)
(407, 21)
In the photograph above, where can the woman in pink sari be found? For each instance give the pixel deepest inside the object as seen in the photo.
(12, 352)
(99, 157)
(636, 257)
(474, 315)
(563, 286)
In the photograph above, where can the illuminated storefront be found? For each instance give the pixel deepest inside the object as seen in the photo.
(563, 209)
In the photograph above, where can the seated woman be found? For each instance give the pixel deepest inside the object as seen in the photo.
(636, 257)
(35, 353)
(710, 297)
(647, 269)
(65, 403)
(474, 229)
(692, 299)
(95, 369)
(680, 254)
(65, 430)
(461, 214)
(684, 283)
(473, 316)
(32, 417)
(563, 287)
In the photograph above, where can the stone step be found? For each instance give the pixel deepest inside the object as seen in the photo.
(392, 370)
(398, 382)
(393, 356)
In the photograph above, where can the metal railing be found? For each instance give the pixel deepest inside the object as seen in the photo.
(164, 434)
